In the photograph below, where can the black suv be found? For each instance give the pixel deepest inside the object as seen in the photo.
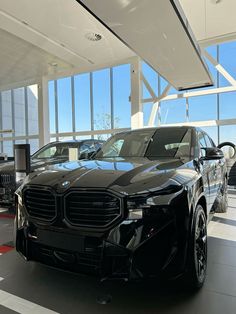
(138, 209)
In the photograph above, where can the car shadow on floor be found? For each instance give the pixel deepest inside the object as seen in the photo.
(73, 293)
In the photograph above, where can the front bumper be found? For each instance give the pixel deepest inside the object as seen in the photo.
(130, 250)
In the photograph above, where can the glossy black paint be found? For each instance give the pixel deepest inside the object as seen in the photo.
(9, 186)
(166, 189)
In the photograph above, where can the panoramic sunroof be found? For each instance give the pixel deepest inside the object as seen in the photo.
(159, 33)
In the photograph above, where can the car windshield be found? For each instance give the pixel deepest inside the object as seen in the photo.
(163, 142)
(54, 151)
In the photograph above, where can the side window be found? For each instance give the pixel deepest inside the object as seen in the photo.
(97, 145)
(47, 153)
(90, 146)
(209, 142)
(115, 149)
(202, 141)
(84, 148)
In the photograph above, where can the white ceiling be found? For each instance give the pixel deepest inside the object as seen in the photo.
(52, 31)
(157, 32)
(212, 21)
(22, 62)
(35, 34)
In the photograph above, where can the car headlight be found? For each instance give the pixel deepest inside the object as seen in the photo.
(151, 205)
(136, 208)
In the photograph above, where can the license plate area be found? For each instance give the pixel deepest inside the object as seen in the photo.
(60, 240)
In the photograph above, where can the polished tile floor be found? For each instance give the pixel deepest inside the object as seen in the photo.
(30, 288)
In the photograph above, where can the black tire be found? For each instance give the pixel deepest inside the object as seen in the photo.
(222, 199)
(197, 252)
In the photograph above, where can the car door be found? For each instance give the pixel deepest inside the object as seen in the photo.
(207, 170)
(218, 165)
(214, 171)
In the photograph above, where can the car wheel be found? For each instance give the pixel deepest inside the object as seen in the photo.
(197, 254)
(222, 199)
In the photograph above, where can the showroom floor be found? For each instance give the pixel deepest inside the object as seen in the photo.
(31, 288)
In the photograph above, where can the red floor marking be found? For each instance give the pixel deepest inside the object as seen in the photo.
(5, 249)
(11, 216)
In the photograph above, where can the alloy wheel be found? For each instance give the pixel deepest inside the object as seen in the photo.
(201, 246)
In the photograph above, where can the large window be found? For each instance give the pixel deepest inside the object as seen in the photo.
(64, 99)
(52, 108)
(32, 115)
(6, 98)
(121, 93)
(207, 109)
(87, 104)
(173, 111)
(19, 117)
(101, 100)
(19, 111)
(227, 59)
(203, 108)
(90, 102)
(82, 102)
(147, 109)
(228, 133)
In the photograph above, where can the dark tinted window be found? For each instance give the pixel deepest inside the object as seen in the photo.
(168, 142)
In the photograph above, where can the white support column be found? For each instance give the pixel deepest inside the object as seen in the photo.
(43, 112)
(136, 95)
(155, 106)
(148, 86)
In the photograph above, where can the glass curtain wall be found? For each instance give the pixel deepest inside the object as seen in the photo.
(200, 108)
(90, 105)
(97, 104)
(19, 117)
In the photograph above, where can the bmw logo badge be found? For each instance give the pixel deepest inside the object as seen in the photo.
(65, 184)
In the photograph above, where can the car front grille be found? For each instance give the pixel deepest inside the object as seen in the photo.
(92, 209)
(7, 179)
(40, 203)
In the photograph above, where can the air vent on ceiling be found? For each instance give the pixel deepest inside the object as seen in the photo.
(93, 36)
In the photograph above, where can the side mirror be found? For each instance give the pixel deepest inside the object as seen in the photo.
(212, 154)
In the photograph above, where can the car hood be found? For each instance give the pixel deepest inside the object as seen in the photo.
(127, 176)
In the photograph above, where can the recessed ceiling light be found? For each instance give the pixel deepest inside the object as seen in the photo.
(93, 36)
